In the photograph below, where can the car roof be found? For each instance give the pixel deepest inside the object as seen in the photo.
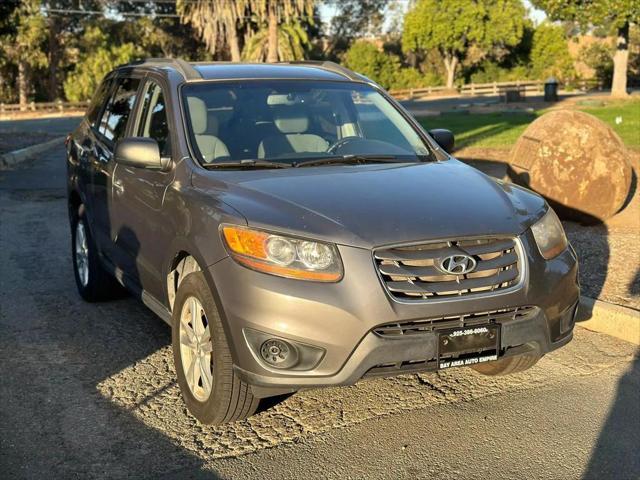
(231, 71)
(198, 71)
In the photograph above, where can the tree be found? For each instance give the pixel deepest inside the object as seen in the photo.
(353, 19)
(363, 57)
(273, 13)
(550, 53)
(100, 56)
(599, 57)
(453, 27)
(616, 14)
(24, 44)
(293, 42)
(216, 21)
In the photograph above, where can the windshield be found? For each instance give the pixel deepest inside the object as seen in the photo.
(291, 122)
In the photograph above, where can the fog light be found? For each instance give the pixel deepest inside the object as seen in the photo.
(278, 353)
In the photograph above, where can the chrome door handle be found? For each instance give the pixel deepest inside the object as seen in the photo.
(118, 186)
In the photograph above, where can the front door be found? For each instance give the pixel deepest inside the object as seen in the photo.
(140, 229)
(112, 126)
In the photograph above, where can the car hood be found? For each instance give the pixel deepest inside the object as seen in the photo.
(376, 204)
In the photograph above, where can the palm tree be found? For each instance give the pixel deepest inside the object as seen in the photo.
(276, 12)
(216, 21)
(292, 43)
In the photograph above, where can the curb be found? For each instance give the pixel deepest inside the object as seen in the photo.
(608, 318)
(18, 156)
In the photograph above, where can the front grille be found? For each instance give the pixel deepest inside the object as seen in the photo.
(415, 272)
(417, 327)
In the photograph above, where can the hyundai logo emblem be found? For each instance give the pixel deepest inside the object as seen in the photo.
(457, 264)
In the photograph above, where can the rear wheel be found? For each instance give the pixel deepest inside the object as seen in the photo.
(93, 281)
(508, 365)
(211, 390)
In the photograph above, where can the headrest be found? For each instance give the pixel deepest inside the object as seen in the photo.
(290, 119)
(198, 113)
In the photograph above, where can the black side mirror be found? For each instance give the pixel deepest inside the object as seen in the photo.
(140, 152)
(444, 138)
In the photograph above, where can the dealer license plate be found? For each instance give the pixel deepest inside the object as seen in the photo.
(468, 346)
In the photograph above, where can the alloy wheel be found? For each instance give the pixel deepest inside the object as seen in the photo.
(82, 254)
(196, 349)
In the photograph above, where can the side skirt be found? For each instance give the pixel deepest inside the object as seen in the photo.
(156, 307)
(149, 300)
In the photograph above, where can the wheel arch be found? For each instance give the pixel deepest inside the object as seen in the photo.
(185, 260)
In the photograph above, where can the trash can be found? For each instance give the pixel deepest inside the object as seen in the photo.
(551, 90)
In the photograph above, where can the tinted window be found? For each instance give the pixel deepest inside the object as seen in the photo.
(153, 121)
(114, 119)
(98, 101)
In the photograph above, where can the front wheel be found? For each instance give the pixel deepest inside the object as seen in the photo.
(211, 390)
(508, 365)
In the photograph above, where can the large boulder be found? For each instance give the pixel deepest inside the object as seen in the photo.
(575, 161)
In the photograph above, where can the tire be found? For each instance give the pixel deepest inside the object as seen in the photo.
(221, 397)
(507, 366)
(93, 281)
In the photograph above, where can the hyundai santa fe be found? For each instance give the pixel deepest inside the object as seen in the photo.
(298, 229)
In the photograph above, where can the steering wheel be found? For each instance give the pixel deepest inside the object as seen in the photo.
(341, 143)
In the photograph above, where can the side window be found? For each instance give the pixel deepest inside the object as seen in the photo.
(153, 120)
(114, 119)
(98, 101)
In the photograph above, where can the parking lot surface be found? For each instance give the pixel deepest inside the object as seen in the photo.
(89, 391)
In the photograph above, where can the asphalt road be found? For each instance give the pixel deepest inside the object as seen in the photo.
(52, 125)
(88, 391)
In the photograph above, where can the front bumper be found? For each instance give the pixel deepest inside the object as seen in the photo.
(339, 318)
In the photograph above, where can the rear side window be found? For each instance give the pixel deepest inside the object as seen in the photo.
(153, 121)
(114, 120)
(98, 101)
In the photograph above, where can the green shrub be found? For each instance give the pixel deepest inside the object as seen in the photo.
(491, 72)
(550, 54)
(363, 57)
(385, 68)
(413, 78)
(599, 57)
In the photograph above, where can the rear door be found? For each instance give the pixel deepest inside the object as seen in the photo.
(112, 126)
(140, 227)
(85, 145)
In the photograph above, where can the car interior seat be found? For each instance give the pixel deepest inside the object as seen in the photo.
(292, 122)
(211, 147)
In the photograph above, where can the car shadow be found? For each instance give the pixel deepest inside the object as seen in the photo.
(615, 454)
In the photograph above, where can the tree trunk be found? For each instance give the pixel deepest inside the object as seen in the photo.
(272, 52)
(450, 64)
(54, 57)
(234, 46)
(620, 62)
(22, 84)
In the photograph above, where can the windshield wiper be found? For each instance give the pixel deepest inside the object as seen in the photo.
(247, 163)
(350, 159)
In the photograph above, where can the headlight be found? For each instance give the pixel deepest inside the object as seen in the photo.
(283, 256)
(549, 235)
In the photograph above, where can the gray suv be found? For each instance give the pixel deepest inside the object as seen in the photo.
(298, 229)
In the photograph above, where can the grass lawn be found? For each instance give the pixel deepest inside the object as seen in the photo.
(501, 129)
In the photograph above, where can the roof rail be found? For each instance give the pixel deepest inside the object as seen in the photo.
(327, 65)
(184, 68)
